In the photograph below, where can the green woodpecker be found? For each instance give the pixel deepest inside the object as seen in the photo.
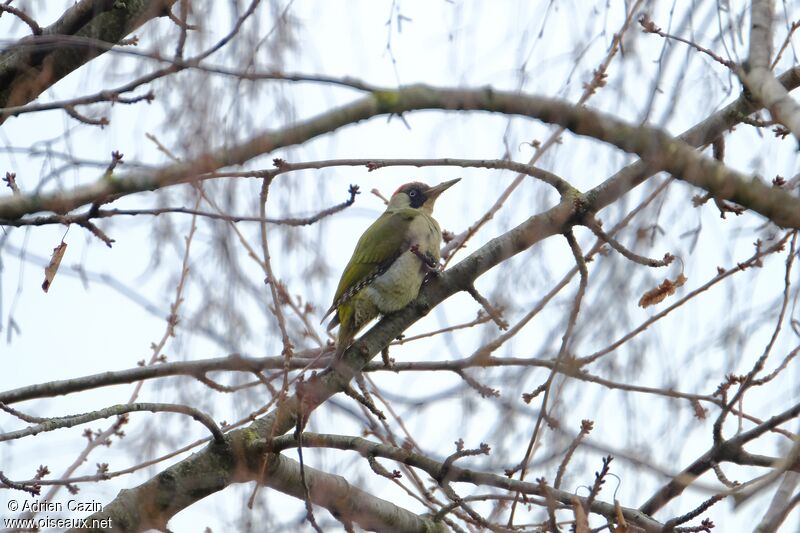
(390, 261)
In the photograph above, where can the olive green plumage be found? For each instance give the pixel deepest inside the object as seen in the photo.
(390, 261)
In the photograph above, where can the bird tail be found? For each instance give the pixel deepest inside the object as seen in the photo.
(341, 346)
(330, 310)
(343, 341)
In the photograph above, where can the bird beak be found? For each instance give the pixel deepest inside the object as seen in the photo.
(434, 192)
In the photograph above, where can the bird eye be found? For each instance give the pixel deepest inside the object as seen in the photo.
(412, 193)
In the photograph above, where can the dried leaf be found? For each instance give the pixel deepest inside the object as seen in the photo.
(667, 288)
(581, 521)
(622, 525)
(52, 268)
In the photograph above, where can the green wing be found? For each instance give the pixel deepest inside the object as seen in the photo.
(377, 248)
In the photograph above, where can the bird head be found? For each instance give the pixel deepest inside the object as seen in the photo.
(418, 195)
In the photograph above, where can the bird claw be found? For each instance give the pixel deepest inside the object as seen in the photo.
(427, 259)
(431, 275)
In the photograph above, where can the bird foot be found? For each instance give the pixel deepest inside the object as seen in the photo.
(427, 259)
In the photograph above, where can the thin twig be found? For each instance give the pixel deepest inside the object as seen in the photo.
(51, 424)
(586, 428)
(481, 318)
(455, 474)
(108, 213)
(792, 28)
(33, 490)
(364, 400)
(489, 308)
(24, 17)
(71, 111)
(577, 254)
(181, 22)
(288, 347)
(599, 481)
(628, 254)
(22, 416)
(759, 364)
(460, 452)
(648, 26)
(694, 513)
(724, 274)
(114, 429)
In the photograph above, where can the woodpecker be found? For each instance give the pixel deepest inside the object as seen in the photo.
(390, 261)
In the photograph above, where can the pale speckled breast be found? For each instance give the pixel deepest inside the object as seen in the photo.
(401, 282)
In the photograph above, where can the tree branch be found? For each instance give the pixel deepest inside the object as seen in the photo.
(342, 499)
(53, 423)
(455, 474)
(730, 450)
(659, 150)
(27, 69)
(757, 75)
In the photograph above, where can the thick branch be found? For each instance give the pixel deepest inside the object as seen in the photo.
(305, 361)
(757, 73)
(198, 369)
(455, 473)
(659, 150)
(27, 68)
(342, 499)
